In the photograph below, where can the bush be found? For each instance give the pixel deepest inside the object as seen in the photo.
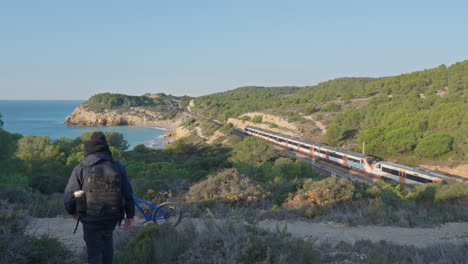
(331, 107)
(322, 193)
(452, 192)
(257, 119)
(141, 148)
(217, 242)
(434, 145)
(227, 186)
(49, 250)
(245, 118)
(155, 244)
(16, 247)
(400, 140)
(227, 129)
(310, 109)
(252, 150)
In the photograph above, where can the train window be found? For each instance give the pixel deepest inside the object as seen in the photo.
(418, 179)
(371, 160)
(335, 155)
(305, 147)
(353, 160)
(378, 166)
(388, 170)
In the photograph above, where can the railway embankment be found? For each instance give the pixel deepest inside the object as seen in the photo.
(461, 170)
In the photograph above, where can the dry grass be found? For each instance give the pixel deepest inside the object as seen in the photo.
(16, 247)
(227, 186)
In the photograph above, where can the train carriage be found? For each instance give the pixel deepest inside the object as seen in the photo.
(410, 174)
(355, 160)
(340, 156)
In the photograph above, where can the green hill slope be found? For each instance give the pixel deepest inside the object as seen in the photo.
(421, 114)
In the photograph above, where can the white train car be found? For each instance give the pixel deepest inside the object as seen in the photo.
(340, 156)
(410, 174)
(355, 160)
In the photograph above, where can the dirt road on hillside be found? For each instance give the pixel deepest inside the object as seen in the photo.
(335, 233)
(62, 228)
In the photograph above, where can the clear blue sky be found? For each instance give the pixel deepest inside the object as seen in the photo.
(74, 49)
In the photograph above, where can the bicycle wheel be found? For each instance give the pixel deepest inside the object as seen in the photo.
(171, 210)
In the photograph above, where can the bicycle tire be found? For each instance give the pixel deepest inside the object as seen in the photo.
(175, 214)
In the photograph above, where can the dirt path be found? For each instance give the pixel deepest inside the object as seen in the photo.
(62, 228)
(318, 124)
(335, 233)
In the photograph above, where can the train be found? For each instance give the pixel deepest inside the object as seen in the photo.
(354, 160)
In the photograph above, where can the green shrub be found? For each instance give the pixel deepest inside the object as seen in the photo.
(227, 129)
(252, 150)
(434, 145)
(49, 250)
(245, 118)
(257, 119)
(155, 244)
(310, 109)
(227, 186)
(17, 247)
(452, 192)
(331, 107)
(322, 193)
(141, 148)
(400, 140)
(219, 242)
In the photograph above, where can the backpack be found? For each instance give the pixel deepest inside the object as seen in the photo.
(102, 186)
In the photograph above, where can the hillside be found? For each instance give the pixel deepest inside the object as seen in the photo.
(120, 109)
(227, 183)
(416, 118)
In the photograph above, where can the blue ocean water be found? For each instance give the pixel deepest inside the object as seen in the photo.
(45, 118)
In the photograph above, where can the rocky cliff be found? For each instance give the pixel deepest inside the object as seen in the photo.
(134, 116)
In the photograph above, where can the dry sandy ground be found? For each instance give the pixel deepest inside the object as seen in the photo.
(62, 228)
(335, 233)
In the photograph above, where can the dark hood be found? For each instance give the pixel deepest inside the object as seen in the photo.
(94, 158)
(96, 144)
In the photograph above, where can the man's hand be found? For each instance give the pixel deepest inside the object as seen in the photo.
(128, 223)
(76, 216)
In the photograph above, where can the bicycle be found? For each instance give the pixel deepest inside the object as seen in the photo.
(167, 212)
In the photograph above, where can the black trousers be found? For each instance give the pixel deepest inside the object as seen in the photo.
(99, 242)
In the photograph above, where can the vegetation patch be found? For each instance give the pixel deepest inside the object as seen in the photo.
(227, 186)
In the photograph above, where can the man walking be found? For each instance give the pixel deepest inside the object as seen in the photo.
(107, 198)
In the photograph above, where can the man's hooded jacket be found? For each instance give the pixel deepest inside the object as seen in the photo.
(97, 150)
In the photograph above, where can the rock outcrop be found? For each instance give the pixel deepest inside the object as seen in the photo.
(283, 126)
(135, 116)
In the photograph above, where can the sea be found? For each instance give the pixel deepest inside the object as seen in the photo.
(46, 117)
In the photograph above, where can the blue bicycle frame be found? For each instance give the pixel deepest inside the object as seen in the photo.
(159, 213)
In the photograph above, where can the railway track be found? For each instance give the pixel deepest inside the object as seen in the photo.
(328, 169)
(322, 167)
